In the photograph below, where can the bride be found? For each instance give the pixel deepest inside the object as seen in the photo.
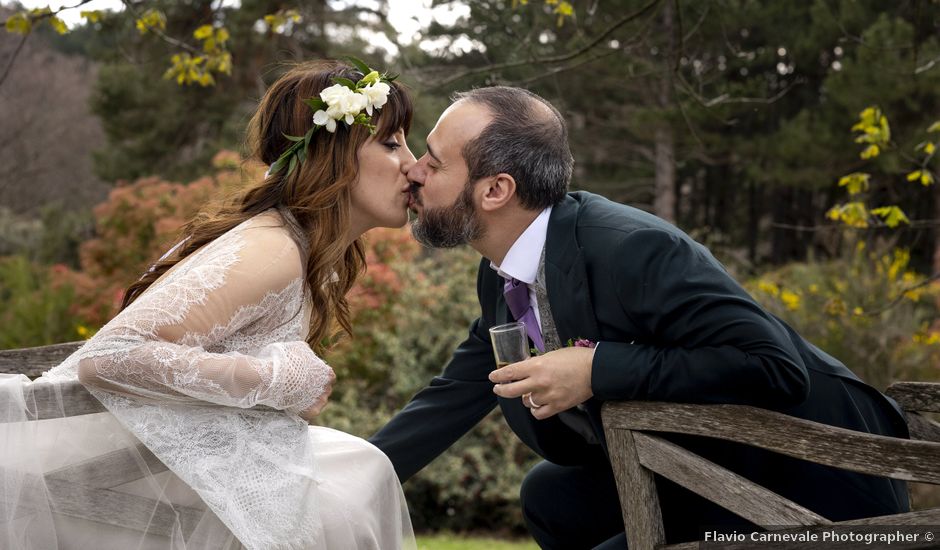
(212, 363)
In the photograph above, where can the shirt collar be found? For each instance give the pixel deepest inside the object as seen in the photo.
(522, 260)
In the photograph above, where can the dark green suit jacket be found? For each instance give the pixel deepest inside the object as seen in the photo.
(671, 325)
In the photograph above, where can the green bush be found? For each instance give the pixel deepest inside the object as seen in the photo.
(868, 310)
(33, 310)
(404, 340)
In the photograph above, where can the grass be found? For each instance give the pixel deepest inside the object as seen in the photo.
(448, 541)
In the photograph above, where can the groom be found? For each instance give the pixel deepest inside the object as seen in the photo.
(666, 321)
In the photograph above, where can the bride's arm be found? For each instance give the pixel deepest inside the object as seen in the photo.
(156, 348)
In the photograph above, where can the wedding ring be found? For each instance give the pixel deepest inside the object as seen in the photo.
(532, 402)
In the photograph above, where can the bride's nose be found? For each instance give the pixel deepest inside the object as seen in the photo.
(408, 159)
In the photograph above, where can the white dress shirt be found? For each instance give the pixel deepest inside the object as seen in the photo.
(522, 260)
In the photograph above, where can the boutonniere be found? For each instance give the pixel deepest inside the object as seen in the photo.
(581, 343)
(572, 343)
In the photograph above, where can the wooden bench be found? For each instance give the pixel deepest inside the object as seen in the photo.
(86, 490)
(637, 455)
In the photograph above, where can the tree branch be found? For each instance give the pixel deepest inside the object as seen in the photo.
(901, 294)
(162, 35)
(556, 58)
(16, 52)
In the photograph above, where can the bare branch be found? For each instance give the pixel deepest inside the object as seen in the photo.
(927, 66)
(16, 52)
(901, 294)
(162, 35)
(556, 58)
(724, 99)
(914, 224)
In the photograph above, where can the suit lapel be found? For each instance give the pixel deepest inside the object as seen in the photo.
(566, 276)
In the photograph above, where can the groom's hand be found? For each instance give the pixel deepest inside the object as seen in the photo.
(555, 381)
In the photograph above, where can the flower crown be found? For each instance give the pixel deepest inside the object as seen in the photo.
(344, 101)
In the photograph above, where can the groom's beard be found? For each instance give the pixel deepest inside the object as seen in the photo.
(448, 226)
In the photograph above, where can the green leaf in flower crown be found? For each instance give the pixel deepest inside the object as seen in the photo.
(359, 64)
(293, 138)
(293, 164)
(316, 103)
(389, 78)
(345, 82)
(277, 166)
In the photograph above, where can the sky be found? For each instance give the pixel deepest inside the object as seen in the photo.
(407, 16)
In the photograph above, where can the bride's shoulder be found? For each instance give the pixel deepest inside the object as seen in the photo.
(269, 238)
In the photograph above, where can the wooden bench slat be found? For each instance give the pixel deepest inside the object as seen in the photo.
(916, 396)
(721, 486)
(56, 400)
(110, 469)
(636, 485)
(847, 449)
(34, 361)
(923, 428)
(120, 509)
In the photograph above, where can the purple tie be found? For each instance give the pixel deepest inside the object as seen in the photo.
(517, 298)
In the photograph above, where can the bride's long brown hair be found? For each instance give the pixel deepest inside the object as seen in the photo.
(316, 194)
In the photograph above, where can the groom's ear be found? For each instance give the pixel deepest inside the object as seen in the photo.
(497, 191)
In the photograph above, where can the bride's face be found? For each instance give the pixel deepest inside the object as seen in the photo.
(380, 196)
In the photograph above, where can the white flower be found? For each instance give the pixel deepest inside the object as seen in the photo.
(320, 118)
(376, 95)
(342, 103)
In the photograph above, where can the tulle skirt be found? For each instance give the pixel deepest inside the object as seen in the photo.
(86, 482)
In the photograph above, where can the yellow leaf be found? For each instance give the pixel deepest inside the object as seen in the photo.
(203, 32)
(270, 19)
(58, 25)
(19, 23)
(892, 215)
(91, 16)
(935, 127)
(929, 148)
(871, 151)
(565, 9)
(221, 35)
(926, 178)
(855, 182)
(914, 176)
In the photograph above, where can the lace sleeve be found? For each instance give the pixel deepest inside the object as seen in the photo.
(157, 347)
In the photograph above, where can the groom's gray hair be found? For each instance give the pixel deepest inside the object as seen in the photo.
(526, 139)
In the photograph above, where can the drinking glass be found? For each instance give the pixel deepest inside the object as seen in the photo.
(510, 343)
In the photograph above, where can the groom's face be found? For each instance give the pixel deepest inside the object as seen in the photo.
(442, 199)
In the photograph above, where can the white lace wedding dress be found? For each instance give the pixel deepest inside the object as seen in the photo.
(178, 371)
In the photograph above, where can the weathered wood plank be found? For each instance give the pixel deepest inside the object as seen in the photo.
(112, 508)
(923, 428)
(46, 400)
(916, 396)
(721, 486)
(34, 361)
(920, 518)
(121, 509)
(639, 501)
(110, 469)
(855, 451)
(56, 400)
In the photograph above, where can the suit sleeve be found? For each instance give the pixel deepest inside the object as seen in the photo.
(445, 410)
(702, 338)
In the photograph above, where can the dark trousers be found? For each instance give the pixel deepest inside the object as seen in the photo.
(575, 507)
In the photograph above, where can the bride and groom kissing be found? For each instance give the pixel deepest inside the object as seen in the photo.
(238, 314)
